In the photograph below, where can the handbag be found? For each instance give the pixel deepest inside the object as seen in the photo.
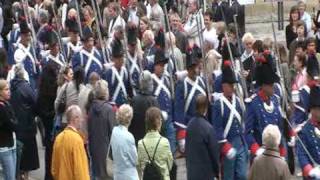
(63, 102)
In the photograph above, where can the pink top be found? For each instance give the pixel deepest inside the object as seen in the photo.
(300, 79)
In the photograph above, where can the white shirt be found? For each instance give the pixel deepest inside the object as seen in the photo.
(211, 36)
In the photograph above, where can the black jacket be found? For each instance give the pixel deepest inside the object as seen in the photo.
(8, 124)
(23, 101)
(140, 104)
(201, 150)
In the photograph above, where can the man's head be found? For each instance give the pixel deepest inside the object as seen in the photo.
(311, 45)
(25, 32)
(267, 89)
(301, 29)
(114, 9)
(271, 136)
(118, 32)
(302, 7)
(175, 21)
(87, 38)
(43, 17)
(193, 6)
(74, 116)
(208, 19)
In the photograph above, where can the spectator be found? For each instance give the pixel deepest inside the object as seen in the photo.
(178, 31)
(293, 45)
(153, 144)
(299, 64)
(23, 101)
(270, 165)
(140, 103)
(8, 123)
(210, 32)
(201, 145)
(100, 123)
(69, 158)
(171, 42)
(248, 59)
(291, 28)
(305, 17)
(69, 92)
(143, 26)
(124, 152)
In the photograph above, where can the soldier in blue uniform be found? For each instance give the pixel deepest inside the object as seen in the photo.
(301, 104)
(14, 39)
(133, 63)
(88, 57)
(185, 94)
(162, 92)
(227, 119)
(117, 76)
(25, 54)
(263, 108)
(55, 57)
(310, 139)
(73, 45)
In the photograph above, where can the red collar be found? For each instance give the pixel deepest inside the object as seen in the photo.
(314, 122)
(263, 96)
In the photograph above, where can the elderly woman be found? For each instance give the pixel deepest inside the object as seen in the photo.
(270, 165)
(100, 123)
(8, 123)
(171, 46)
(153, 144)
(124, 152)
(23, 101)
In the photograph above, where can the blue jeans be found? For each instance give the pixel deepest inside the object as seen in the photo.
(237, 167)
(8, 161)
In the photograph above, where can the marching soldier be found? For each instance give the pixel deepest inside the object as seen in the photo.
(73, 46)
(308, 149)
(25, 54)
(301, 97)
(163, 94)
(55, 57)
(88, 57)
(185, 95)
(133, 63)
(263, 108)
(227, 118)
(117, 76)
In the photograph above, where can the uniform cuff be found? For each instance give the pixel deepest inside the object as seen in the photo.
(306, 170)
(282, 151)
(225, 148)
(181, 134)
(292, 133)
(254, 148)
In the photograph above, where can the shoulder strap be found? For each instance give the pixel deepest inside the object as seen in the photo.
(155, 150)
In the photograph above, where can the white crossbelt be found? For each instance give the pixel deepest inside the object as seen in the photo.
(160, 86)
(233, 112)
(57, 59)
(115, 74)
(27, 52)
(195, 86)
(91, 58)
(134, 65)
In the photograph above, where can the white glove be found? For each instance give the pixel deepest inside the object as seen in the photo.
(164, 115)
(292, 142)
(315, 173)
(108, 65)
(231, 153)
(260, 151)
(182, 143)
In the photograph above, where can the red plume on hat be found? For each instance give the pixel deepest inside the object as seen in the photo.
(261, 59)
(227, 63)
(266, 52)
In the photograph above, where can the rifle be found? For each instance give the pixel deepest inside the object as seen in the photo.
(58, 33)
(99, 31)
(172, 81)
(78, 17)
(242, 79)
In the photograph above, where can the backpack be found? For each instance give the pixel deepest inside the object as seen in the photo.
(152, 170)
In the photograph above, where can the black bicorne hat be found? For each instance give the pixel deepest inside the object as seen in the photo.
(315, 96)
(132, 35)
(117, 49)
(86, 33)
(264, 72)
(228, 75)
(160, 57)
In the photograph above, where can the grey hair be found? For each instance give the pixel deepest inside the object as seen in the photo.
(146, 82)
(73, 112)
(19, 71)
(43, 16)
(124, 114)
(271, 136)
(101, 90)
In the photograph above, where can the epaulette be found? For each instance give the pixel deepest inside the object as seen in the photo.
(249, 99)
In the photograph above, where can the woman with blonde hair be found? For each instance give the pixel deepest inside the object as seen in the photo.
(8, 155)
(124, 152)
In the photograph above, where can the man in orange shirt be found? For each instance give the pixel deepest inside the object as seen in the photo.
(69, 158)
